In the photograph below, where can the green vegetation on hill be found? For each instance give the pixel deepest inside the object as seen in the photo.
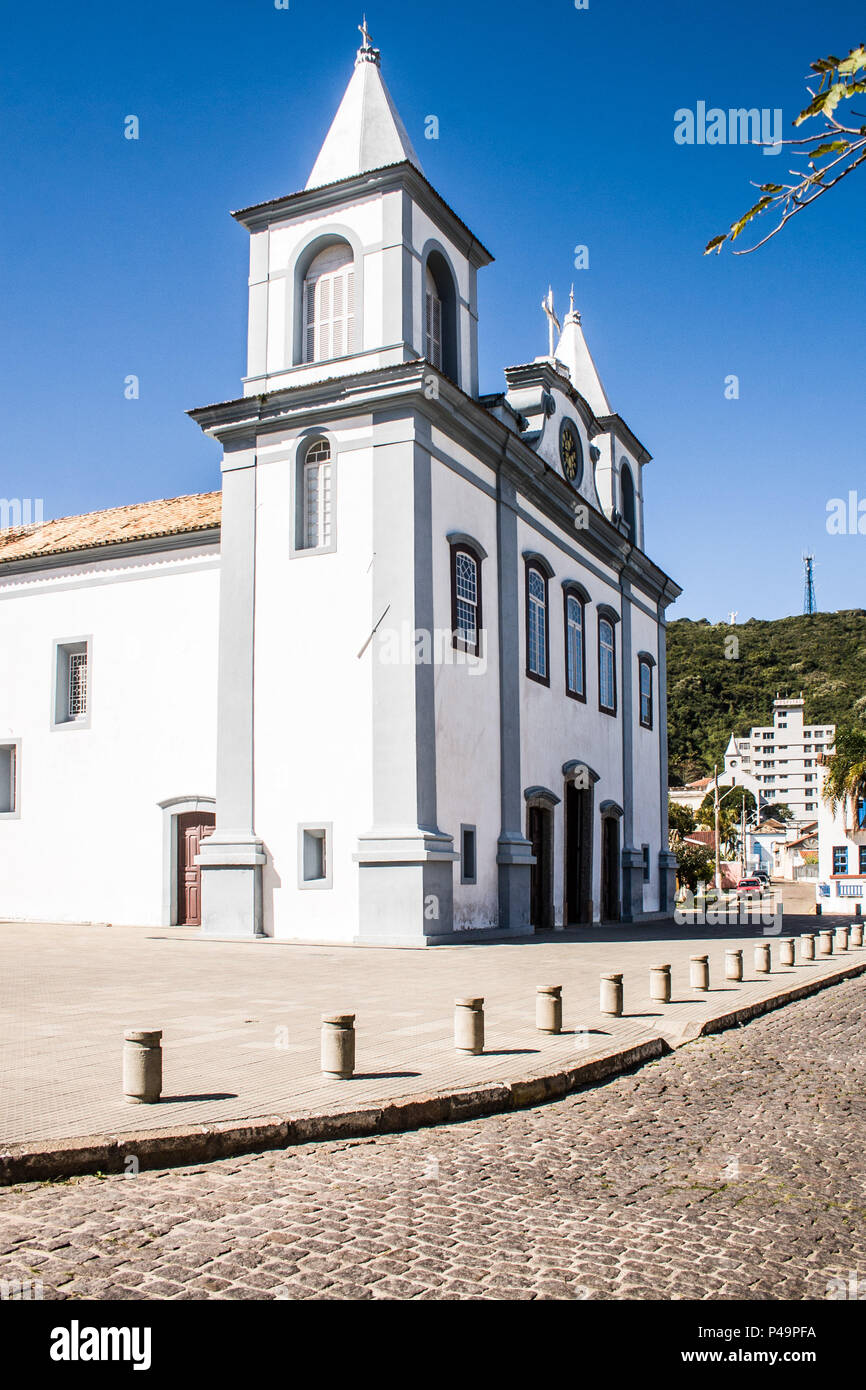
(711, 695)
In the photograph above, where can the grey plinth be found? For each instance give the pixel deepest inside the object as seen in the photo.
(469, 1026)
(548, 1008)
(660, 983)
(733, 965)
(610, 995)
(142, 1066)
(763, 958)
(338, 1045)
(699, 972)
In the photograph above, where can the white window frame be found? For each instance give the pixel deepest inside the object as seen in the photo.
(13, 747)
(304, 467)
(323, 830)
(62, 655)
(328, 334)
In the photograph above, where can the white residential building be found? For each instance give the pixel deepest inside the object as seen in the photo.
(841, 886)
(779, 762)
(403, 680)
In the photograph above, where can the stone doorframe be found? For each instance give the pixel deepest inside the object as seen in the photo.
(172, 808)
(584, 778)
(546, 800)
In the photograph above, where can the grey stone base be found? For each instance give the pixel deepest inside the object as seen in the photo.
(231, 887)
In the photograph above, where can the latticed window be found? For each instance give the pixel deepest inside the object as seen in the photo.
(840, 859)
(574, 644)
(646, 695)
(77, 699)
(433, 322)
(317, 495)
(466, 588)
(329, 305)
(606, 667)
(537, 624)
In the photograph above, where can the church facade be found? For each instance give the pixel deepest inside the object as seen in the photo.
(403, 679)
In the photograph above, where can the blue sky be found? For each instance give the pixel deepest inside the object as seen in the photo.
(556, 130)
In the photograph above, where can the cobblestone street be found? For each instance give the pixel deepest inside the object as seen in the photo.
(732, 1168)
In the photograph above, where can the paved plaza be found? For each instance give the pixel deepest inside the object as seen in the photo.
(241, 1020)
(731, 1168)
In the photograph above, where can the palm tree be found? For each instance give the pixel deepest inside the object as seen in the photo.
(845, 781)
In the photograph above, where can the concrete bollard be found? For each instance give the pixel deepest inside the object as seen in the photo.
(338, 1045)
(856, 934)
(841, 942)
(548, 1008)
(786, 950)
(610, 995)
(807, 946)
(660, 983)
(762, 958)
(699, 972)
(825, 943)
(733, 965)
(142, 1066)
(469, 1026)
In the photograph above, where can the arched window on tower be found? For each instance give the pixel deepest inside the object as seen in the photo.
(317, 529)
(440, 315)
(432, 321)
(329, 304)
(626, 491)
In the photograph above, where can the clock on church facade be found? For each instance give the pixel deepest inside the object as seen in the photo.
(570, 453)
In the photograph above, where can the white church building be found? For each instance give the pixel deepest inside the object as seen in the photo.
(402, 680)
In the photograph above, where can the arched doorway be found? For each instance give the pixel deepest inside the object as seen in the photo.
(540, 802)
(610, 864)
(187, 820)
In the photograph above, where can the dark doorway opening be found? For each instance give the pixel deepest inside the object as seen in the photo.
(610, 869)
(541, 878)
(578, 855)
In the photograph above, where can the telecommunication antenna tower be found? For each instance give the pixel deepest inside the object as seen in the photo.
(809, 603)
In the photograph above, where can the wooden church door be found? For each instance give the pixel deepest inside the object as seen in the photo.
(192, 828)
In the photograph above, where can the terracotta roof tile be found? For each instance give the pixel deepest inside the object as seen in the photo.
(171, 516)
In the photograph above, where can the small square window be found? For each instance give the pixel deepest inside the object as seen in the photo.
(862, 865)
(10, 762)
(468, 866)
(314, 856)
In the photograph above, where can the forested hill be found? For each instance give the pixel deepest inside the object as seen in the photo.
(712, 695)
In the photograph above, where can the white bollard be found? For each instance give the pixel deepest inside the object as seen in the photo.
(610, 995)
(856, 934)
(548, 1008)
(841, 942)
(699, 972)
(786, 950)
(660, 983)
(469, 1026)
(762, 958)
(142, 1066)
(807, 946)
(338, 1045)
(825, 943)
(733, 965)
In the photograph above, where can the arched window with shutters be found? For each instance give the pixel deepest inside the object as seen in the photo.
(645, 691)
(329, 304)
(626, 492)
(432, 321)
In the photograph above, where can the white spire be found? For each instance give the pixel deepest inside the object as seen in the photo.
(573, 351)
(366, 132)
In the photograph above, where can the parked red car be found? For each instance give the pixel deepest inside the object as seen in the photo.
(750, 888)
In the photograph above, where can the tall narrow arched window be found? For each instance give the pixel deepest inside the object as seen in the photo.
(465, 599)
(440, 315)
(606, 665)
(645, 672)
(329, 304)
(432, 321)
(537, 635)
(575, 646)
(626, 491)
(317, 517)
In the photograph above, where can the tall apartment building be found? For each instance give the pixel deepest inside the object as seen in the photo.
(779, 761)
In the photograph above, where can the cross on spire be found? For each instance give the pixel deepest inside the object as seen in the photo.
(553, 324)
(365, 33)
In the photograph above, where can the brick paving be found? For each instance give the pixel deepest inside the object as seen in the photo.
(241, 1020)
(731, 1168)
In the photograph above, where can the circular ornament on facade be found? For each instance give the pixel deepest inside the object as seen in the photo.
(570, 452)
